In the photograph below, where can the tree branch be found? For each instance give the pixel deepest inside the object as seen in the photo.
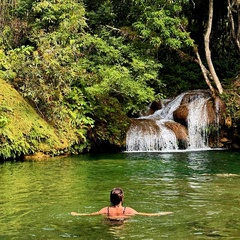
(208, 51)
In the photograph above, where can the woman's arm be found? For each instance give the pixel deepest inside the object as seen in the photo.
(102, 211)
(153, 214)
(85, 214)
(130, 211)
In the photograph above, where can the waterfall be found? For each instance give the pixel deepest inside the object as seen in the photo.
(152, 138)
(160, 132)
(197, 124)
(167, 111)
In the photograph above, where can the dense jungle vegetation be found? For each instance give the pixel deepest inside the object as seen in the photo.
(87, 66)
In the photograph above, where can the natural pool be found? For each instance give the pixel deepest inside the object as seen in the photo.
(201, 188)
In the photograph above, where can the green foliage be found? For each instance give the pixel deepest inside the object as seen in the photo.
(10, 148)
(3, 121)
(231, 98)
(161, 24)
(111, 123)
(86, 66)
(44, 74)
(154, 26)
(120, 70)
(50, 15)
(79, 110)
(183, 75)
(103, 14)
(23, 131)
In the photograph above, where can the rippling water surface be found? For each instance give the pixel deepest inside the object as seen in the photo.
(201, 188)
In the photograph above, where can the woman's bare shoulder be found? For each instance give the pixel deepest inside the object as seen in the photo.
(103, 210)
(130, 211)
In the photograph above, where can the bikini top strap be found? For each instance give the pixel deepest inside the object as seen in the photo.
(108, 211)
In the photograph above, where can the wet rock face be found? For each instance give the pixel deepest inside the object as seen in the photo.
(191, 120)
(216, 110)
(181, 133)
(180, 114)
(153, 107)
(144, 125)
(195, 94)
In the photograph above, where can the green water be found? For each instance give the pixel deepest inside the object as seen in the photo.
(201, 188)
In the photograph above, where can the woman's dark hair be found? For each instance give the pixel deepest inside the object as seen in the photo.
(116, 196)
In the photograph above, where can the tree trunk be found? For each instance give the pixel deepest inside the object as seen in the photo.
(208, 51)
(198, 60)
(205, 72)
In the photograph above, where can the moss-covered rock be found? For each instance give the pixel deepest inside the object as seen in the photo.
(22, 130)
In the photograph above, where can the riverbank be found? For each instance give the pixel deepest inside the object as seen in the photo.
(25, 134)
(23, 131)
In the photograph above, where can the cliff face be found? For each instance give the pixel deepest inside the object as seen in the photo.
(22, 130)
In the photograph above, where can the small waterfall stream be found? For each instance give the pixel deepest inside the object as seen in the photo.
(161, 131)
(153, 136)
(197, 124)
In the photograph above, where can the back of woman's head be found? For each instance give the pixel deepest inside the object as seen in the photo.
(116, 196)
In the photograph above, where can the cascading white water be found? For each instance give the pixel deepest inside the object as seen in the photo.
(151, 139)
(138, 140)
(162, 139)
(197, 124)
(167, 111)
(167, 140)
(159, 137)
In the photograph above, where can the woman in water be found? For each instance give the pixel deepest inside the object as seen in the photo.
(117, 210)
